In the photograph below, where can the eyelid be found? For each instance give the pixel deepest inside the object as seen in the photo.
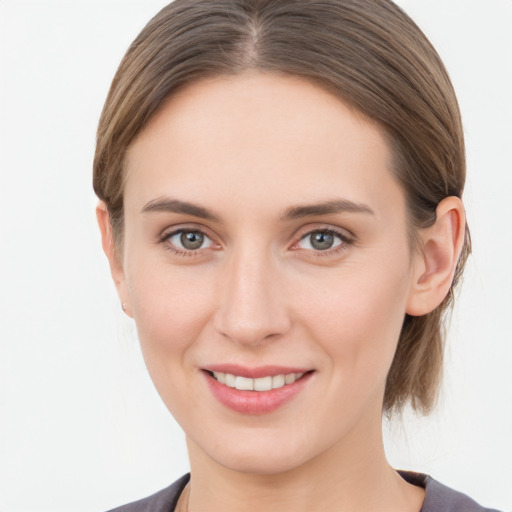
(186, 226)
(169, 232)
(345, 236)
(343, 233)
(179, 234)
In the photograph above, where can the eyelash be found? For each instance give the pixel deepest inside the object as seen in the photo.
(166, 237)
(346, 242)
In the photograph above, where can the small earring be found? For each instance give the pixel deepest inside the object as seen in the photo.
(123, 305)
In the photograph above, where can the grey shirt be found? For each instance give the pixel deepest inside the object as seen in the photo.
(438, 497)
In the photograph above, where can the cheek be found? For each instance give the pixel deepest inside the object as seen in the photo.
(171, 306)
(358, 322)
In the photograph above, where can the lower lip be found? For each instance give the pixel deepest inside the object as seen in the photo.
(255, 402)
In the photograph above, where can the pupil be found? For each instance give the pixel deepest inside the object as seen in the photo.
(322, 241)
(192, 239)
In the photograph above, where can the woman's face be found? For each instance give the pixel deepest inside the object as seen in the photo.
(266, 241)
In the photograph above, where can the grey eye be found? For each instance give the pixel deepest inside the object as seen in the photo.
(190, 240)
(320, 241)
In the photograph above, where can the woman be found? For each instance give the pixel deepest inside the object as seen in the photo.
(280, 188)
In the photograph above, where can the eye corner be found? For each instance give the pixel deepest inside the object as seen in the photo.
(335, 242)
(174, 239)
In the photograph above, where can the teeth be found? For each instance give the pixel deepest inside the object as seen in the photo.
(244, 384)
(278, 381)
(263, 384)
(260, 384)
(290, 378)
(230, 379)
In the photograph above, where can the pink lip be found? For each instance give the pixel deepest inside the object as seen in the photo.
(255, 402)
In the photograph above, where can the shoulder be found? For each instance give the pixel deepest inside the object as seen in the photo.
(440, 498)
(162, 501)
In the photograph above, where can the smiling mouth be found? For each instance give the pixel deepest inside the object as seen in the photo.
(256, 391)
(267, 383)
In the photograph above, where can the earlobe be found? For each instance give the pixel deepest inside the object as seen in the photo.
(116, 267)
(435, 263)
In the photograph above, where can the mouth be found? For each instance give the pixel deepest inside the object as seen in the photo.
(256, 391)
(259, 384)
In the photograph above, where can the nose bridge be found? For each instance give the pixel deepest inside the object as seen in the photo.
(252, 308)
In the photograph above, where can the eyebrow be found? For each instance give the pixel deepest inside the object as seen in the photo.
(170, 205)
(327, 207)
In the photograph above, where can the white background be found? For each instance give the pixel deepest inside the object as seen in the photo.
(81, 427)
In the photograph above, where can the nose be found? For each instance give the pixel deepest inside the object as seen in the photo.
(253, 304)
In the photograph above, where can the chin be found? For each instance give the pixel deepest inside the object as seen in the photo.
(260, 463)
(267, 454)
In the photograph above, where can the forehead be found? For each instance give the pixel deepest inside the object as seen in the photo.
(259, 135)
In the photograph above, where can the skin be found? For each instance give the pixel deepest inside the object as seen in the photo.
(248, 149)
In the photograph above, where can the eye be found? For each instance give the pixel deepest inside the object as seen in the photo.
(321, 240)
(189, 240)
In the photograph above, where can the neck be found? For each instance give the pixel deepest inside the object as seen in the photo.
(351, 475)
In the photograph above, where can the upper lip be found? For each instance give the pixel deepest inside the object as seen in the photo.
(255, 372)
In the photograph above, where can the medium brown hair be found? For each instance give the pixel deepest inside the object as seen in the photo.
(367, 52)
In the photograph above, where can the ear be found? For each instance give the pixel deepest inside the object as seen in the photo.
(435, 263)
(116, 267)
